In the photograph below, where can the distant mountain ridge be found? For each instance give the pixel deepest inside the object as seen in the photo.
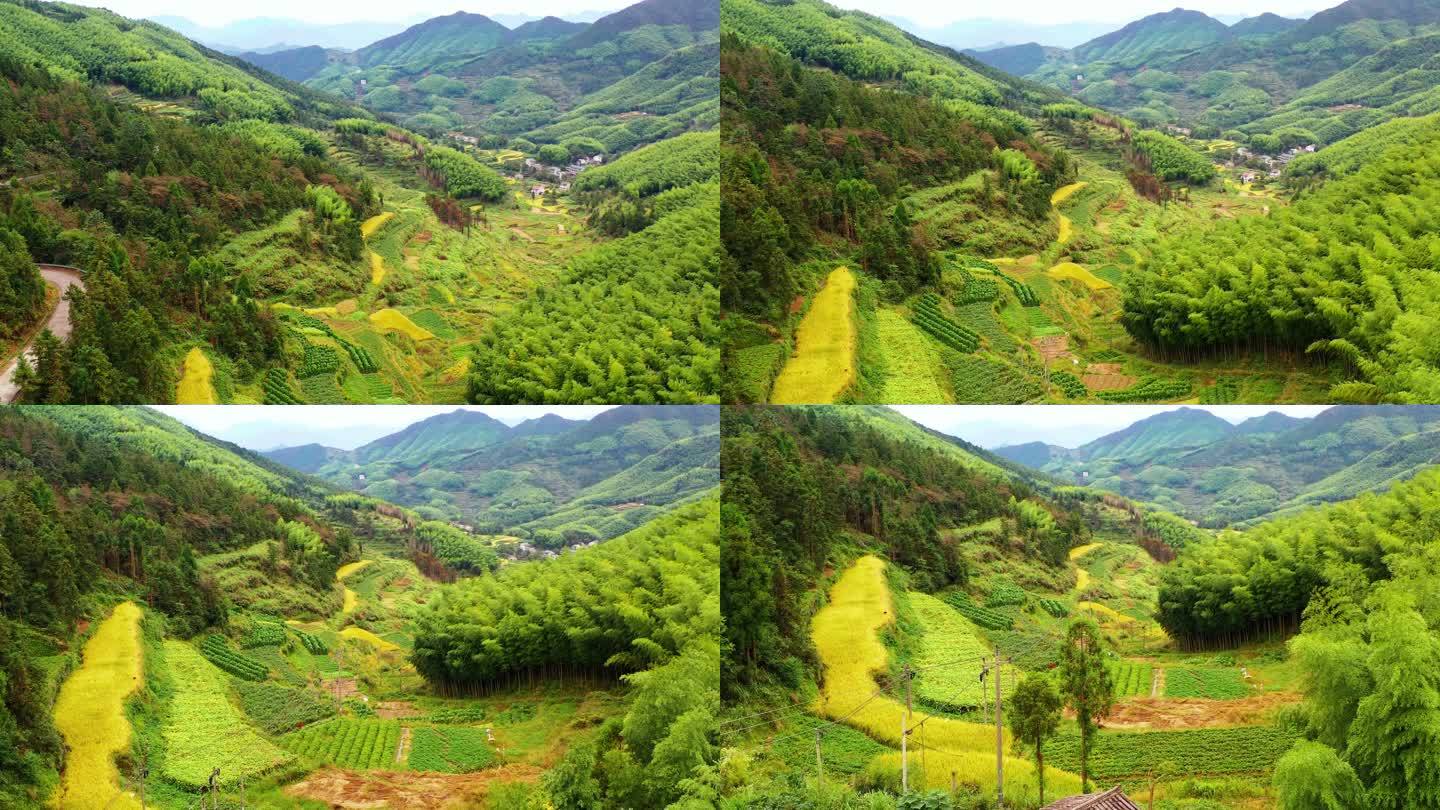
(602, 476)
(1196, 464)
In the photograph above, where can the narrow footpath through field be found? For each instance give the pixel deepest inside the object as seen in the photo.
(63, 278)
(846, 635)
(824, 362)
(90, 713)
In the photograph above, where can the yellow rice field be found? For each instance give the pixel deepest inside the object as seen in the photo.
(375, 223)
(1080, 551)
(846, 635)
(1080, 274)
(394, 320)
(195, 387)
(370, 638)
(90, 713)
(349, 568)
(1063, 193)
(824, 361)
(377, 268)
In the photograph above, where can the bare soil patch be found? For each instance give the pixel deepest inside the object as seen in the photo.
(1176, 713)
(394, 709)
(1053, 347)
(357, 790)
(1106, 377)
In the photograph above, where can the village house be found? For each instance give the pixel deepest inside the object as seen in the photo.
(1112, 799)
(564, 186)
(537, 191)
(1274, 172)
(1247, 177)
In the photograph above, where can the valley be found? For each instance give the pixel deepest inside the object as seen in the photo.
(927, 569)
(201, 623)
(284, 245)
(1020, 240)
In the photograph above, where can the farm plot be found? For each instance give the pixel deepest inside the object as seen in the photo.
(90, 713)
(278, 709)
(985, 617)
(1216, 683)
(909, 360)
(949, 637)
(194, 387)
(449, 749)
(1131, 678)
(1205, 751)
(348, 742)
(844, 750)
(203, 730)
(1071, 270)
(393, 320)
(846, 635)
(980, 380)
(824, 362)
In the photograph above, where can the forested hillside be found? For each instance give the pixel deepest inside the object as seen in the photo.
(241, 238)
(171, 605)
(907, 225)
(1245, 669)
(1347, 272)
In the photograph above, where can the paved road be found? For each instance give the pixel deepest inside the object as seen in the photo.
(59, 323)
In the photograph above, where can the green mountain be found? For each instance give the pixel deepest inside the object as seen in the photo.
(435, 41)
(552, 480)
(81, 43)
(1264, 25)
(296, 64)
(130, 544)
(638, 75)
(1016, 59)
(1265, 76)
(1200, 466)
(1169, 32)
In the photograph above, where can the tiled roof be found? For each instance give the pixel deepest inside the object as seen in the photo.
(1111, 799)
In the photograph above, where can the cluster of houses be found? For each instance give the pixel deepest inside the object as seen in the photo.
(559, 176)
(461, 137)
(1274, 164)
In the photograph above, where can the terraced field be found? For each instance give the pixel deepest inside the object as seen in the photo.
(195, 387)
(823, 365)
(90, 713)
(846, 635)
(911, 362)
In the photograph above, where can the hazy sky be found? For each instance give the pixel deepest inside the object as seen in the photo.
(1065, 425)
(209, 12)
(265, 427)
(936, 13)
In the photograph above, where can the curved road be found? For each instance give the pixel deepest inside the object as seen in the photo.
(60, 276)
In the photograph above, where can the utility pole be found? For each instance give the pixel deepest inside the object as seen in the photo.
(905, 737)
(999, 741)
(819, 771)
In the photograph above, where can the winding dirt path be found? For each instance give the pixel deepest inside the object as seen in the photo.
(62, 277)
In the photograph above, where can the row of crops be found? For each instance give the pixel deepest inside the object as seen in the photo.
(985, 617)
(1054, 607)
(1217, 683)
(1147, 390)
(1004, 592)
(348, 742)
(1206, 751)
(1223, 392)
(264, 634)
(976, 290)
(313, 643)
(222, 655)
(928, 317)
(1069, 384)
(1131, 679)
(950, 658)
(979, 380)
(277, 389)
(449, 749)
(369, 744)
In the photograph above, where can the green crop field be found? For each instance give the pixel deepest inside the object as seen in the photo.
(1200, 751)
(948, 638)
(449, 749)
(1131, 678)
(1205, 682)
(203, 730)
(348, 742)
